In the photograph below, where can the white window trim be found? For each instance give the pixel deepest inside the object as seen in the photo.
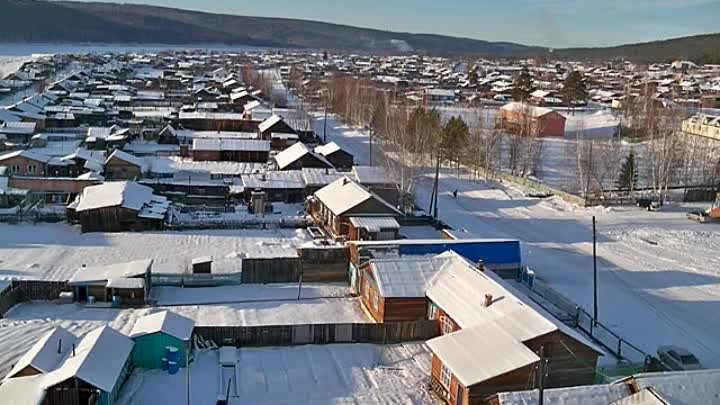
(445, 377)
(447, 325)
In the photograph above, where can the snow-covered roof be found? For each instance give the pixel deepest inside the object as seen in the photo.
(101, 274)
(327, 149)
(46, 353)
(295, 152)
(531, 110)
(480, 353)
(683, 387)
(459, 289)
(268, 123)
(126, 283)
(127, 157)
(27, 155)
(121, 193)
(24, 390)
(220, 144)
(404, 278)
(371, 175)
(604, 394)
(647, 396)
(99, 359)
(166, 322)
(374, 224)
(289, 179)
(344, 194)
(320, 177)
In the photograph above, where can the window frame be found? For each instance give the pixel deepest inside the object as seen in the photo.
(445, 376)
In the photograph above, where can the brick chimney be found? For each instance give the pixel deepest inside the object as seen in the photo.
(488, 300)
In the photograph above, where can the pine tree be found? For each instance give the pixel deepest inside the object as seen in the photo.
(523, 86)
(453, 138)
(628, 173)
(574, 88)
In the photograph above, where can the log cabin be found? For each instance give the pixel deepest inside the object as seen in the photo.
(333, 205)
(124, 166)
(117, 207)
(230, 150)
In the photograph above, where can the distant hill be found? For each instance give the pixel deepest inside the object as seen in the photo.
(81, 22)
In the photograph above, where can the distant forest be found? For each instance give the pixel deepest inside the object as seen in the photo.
(81, 22)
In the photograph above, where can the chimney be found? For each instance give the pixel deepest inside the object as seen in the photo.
(480, 266)
(488, 300)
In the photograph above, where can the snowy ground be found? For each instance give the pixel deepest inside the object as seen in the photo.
(10, 64)
(26, 323)
(282, 312)
(659, 273)
(56, 251)
(358, 374)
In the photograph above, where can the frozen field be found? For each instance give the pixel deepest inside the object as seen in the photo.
(357, 374)
(56, 251)
(10, 64)
(659, 273)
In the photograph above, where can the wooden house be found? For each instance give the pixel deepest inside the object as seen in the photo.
(298, 157)
(473, 306)
(230, 150)
(333, 205)
(121, 165)
(152, 334)
(373, 228)
(93, 373)
(28, 163)
(377, 180)
(279, 186)
(279, 132)
(339, 158)
(123, 284)
(526, 119)
(117, 207)
(45, 355)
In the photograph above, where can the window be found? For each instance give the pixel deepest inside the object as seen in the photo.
(376, 302)
(432, 312)
(447, 325)
(445, 376)
(367, 290)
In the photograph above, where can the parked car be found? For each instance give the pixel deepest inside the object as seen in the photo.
(678, 359)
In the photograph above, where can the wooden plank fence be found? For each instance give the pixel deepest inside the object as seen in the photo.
(288, 335)
(277, 270)
(30, 290)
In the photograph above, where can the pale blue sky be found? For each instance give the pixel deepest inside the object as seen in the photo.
(555, 23)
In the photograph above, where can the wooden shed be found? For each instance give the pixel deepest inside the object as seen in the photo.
(526, 119)
(152, 334)
(394, 289)
(299, 156)
(334, 154)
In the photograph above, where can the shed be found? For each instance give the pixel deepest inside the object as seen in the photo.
(129, 281)
(153, 333)
(300, 156)
(338, 157)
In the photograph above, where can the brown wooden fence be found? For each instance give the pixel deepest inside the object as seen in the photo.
(324, 265)
(288, 335)
(29, 290)
(264, 271)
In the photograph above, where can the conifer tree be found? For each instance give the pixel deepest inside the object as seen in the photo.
(628, 173)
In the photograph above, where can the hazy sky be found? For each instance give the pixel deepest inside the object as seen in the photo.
(555, 23)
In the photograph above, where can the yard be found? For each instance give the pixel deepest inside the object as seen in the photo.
(360, 374)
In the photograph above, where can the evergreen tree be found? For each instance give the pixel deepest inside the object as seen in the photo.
(523, 86)
(574, 88)
(628, 173)
(453, 138)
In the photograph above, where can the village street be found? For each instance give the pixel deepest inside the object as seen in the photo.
(658, 275)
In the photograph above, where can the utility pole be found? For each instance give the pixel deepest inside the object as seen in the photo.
(371, 139)
(595, 275)
(325, 121)
(541, 376)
